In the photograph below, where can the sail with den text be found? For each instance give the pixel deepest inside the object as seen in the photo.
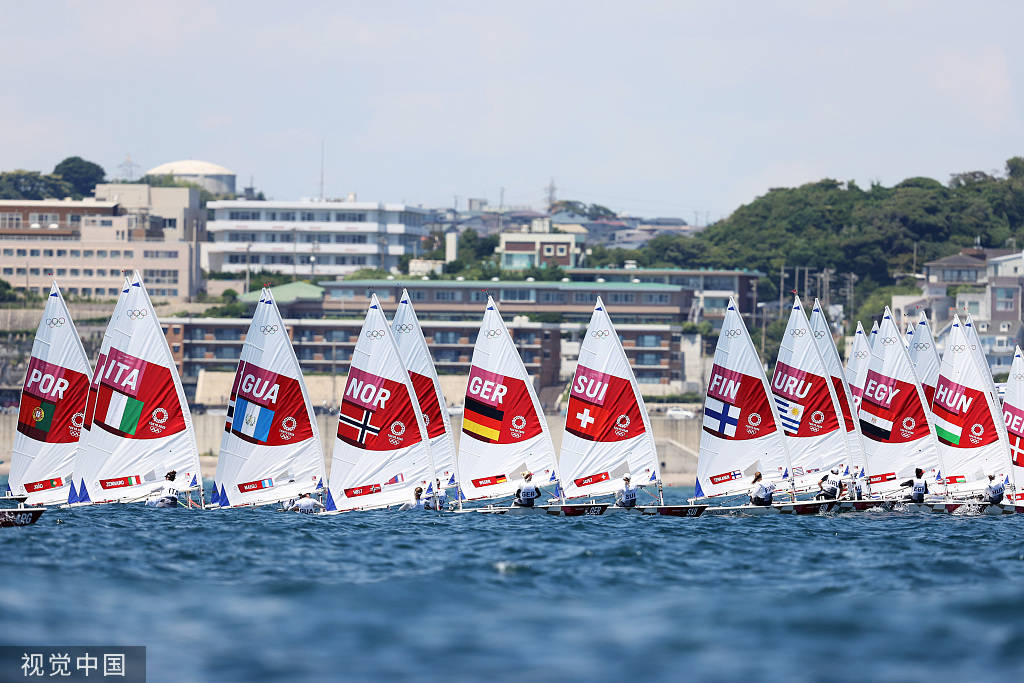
(377, 414)
(736, 406)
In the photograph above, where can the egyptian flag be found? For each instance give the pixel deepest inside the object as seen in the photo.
(602, 407)
(890, 411)
(498, 409)
(377, 414)
(35, 417)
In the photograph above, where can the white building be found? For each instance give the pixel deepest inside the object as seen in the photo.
(310, 238)
(211, 177)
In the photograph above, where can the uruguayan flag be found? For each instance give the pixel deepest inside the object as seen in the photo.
(790, 413)
(252, 420)
(720, 416)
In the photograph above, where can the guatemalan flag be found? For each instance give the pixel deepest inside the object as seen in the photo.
(252, 420)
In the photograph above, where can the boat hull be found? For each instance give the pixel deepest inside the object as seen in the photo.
(20, 516)
(595, 509)
(675, 510)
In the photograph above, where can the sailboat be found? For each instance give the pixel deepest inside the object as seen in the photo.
(607, 430)
(857, 361)
(808, 406)
(925, 357)
(382, 451)
(978, 353)
(141, 427)
(874, 334)
(1013, 418)
(898, 436)
(415, 355)
(504, 432)
(271, 449)
(822, 333)
(52, 411)
(968, 421)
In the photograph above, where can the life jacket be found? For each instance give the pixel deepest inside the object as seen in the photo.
(765, 491)
(307, 506)
(833, 483)
(627, 496)
(996, 489)
(527, 494)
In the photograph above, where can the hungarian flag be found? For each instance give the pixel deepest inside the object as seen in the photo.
(36, 417)
(603, 407)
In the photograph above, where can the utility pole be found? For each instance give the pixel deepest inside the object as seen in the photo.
(551, 191)
(501, 208)
(782, 286)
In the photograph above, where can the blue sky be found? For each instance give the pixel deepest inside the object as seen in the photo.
(656, 108)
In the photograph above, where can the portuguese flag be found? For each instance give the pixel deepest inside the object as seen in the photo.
(35, 417)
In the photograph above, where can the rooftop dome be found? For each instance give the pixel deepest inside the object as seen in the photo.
(189, 167)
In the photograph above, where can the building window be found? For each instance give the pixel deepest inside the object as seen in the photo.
(307, 216)
(1005, 297)
(61, 253)
(43, 219)
(549, 250)
(549, 297)
(101, 253)
(517, 294)
(656, 298)
(448, 295)
(1004, 327)
(446, 337)
(562, 250)
(33, 252)
(10, 220)
(243, 215)
(22, 252)
(74, 272)
(648, 340)
(87, 253)
(622, 297)
(8, 271)
(8, 252)
(61, 272)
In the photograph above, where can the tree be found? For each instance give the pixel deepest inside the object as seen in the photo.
(81, 174)
(229, 296)
(33, 185)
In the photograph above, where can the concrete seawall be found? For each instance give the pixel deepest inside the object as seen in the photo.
(677, 441)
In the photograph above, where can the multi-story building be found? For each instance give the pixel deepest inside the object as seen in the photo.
(539, 247)
(87, 245)
(177, 208)
(310, 238)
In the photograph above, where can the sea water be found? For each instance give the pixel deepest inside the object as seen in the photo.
(257, 594)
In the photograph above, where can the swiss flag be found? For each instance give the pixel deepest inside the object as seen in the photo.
(603, 408)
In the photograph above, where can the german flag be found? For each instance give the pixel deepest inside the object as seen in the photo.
(35, 417)
(482, 421)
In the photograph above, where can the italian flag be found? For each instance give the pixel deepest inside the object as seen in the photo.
(123, 412)
(947, 431)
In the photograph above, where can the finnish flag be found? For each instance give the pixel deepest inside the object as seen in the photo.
(252, 420)
(720, 416)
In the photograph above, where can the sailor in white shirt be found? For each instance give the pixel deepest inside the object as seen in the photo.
(762, 495)
(995, 490)
(167, 495)
(527, 493)
(918, 486)
(417, 501)
(438, 500)
(829, 485)
(626, 496)
(306, 504)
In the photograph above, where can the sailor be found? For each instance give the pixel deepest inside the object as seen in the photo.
(918, 486)
(439, 499)
(417, 501)
(306, 504)
(167, 495)
(762, 495)
(829, 485)
(626, 496)
(855, 489)
(995, 490)
(527, 492)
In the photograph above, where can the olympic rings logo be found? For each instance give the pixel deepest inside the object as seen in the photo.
(403, 328)
(289, 424)
(977, 429)
(889, 341)
(754, 419)
(160, 416)
(798, 332)
(600, 334)
(921, 346)
(519, 422)
(860, 354)
(492, 334)
(375, 334)
(957, 348)
(269, 329)
(136, 313)
(55, 322)
(909, 423)
(397, 428)
(732, 333)
(622, 422)
(817, 417)
(818, 334)
(1018, 376)
(78, 419)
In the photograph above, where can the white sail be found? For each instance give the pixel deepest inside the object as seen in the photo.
(412, 347)
(874, 334)
(925, 357)
(504, 431)
(978, 352)
(968, 424)
(742, 432)
(822, 332)
(1013, 418)
(857, 361)
(381, 452)
(52, 413)
(893, 415)
(271, 449)
(607, 430)
(141, 427)
(807, 404)
(908, 335)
